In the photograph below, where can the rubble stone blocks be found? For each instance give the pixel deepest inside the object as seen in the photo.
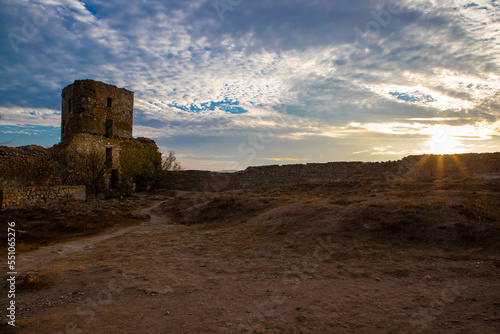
(22, 196)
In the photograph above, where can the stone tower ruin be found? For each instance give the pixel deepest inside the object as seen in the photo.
(97, 117)
(96, 108)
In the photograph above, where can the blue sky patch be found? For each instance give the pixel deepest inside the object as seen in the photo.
(46, 136)
(413, 97)
(228, 106)
(314, 73)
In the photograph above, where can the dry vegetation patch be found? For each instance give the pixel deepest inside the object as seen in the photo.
(216, 208)
(37, 226)
(339, 257)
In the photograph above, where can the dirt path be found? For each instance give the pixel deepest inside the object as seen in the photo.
(28, 262)
(286, 270)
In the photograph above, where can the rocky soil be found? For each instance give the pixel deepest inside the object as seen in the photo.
(337, 257)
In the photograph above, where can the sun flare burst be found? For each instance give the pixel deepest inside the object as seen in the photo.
(443, 141)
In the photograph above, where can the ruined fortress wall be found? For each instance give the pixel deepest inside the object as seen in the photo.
(426, 167)
(11, 197)
(196, 180)
(87, 104)
(475, 165)
(15, 160)
(18, 155)
(287, 174)
(86, 143)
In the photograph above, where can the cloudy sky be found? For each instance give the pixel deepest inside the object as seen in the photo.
(234, 83)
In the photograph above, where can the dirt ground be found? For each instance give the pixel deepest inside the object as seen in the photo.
(338, 257)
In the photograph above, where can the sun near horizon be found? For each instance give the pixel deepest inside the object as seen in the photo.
(253, 83)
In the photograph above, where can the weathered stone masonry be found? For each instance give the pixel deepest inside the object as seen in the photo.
(99, 117)
(429, 167)
(286, 174)
(11, 197)
(13, 159)
(96, 117)
(96, 108)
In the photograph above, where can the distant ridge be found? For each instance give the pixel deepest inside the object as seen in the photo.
(422, 167)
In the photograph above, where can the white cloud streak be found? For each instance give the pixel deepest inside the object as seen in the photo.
(294, 68)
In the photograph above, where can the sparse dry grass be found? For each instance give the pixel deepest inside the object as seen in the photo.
(235, 250)
(33, 281)
(215, 208)
(483, 209)
(402, 211)
(42, 225)
(405, 210)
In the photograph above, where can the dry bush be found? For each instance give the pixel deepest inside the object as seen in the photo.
(58, 222)
(32, 281)
(428, 222)
(219, 208)
(482, 209)
(411, 188)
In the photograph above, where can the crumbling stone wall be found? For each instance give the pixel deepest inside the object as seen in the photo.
(477, 165)
(286, 174)
(196, 180)
(428, 167)
(97, 117)
(11, 197)
(19, 163)
(94, 107)
(85, 143)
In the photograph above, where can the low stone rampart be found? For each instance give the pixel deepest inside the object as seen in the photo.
(22, 196)
(428, 167)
